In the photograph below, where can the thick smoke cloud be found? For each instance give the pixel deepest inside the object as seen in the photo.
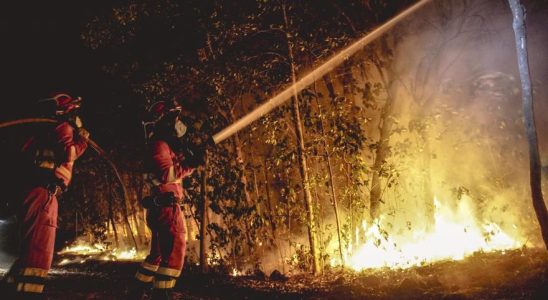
(460, 135)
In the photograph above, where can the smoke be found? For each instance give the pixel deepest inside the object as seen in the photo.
(459, 123)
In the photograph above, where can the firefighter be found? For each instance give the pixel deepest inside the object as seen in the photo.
(50, 157)
(169, 162)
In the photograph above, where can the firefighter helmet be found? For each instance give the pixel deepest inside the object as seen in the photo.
(158, 112)
(64, 103)
(160, 109)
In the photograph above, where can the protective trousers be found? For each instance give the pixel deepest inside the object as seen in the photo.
(163, 265)
(39, 223)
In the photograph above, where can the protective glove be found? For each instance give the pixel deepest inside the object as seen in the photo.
(83, 133)
(56, 186)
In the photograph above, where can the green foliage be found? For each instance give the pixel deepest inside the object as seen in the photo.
(221, 58)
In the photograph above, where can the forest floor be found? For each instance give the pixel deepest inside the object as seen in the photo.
(518, 274)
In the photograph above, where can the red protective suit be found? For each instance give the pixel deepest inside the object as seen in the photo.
(167, 252)
(39, 211)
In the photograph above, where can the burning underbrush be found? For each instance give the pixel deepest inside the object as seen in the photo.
(455, 234)
(516, 274)
(81, 251)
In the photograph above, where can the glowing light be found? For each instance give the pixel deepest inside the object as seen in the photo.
(98, 251)
(456, 235)
(236, 273)
(125, 255)
(84, 249)
(213, 259)
(64, 261)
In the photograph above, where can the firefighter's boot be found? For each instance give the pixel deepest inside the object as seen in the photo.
(162, 294)
(30, 296)
(138, 290)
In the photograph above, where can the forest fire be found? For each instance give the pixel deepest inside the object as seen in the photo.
(275, 150)
(455, 236)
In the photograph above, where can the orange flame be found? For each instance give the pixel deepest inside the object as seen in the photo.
(456, 235)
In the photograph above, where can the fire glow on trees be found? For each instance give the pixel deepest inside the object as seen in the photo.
(455, 235)
(452, 124)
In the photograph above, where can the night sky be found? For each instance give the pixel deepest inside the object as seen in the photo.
(43, 53)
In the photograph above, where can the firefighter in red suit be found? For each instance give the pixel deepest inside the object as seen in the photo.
(169, 164)
(50, 156)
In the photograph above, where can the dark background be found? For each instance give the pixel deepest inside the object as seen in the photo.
(42, 53)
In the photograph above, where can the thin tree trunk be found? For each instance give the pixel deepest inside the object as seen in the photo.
(241, 166)
(330, 177)
(203, 227)
(309, 206)
(321, 240)
(111, 212)
(269, 200)
(141, 230)
(124, 198)
(385, 128)
(262, 239)
(133, 206)
(256, 188)
(518, 13)
(271, 214)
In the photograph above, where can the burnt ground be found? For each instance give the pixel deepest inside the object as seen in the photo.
(518, 274)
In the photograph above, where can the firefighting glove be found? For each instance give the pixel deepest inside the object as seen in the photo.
(56, 186)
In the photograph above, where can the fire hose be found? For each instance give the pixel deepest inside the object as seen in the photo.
(102, 153)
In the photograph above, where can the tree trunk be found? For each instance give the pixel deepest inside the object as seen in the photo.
(309, 205)
(269, 200)
(241, 166)
(321, 240)
(203, 227)
(111, 212)
(331, 181)
(381, 154)
(271, 213)
(262, 239)
(134, 208)
(142, 229)
(518, 13)
(124, 198)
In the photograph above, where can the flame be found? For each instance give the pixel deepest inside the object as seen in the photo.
(214, 259)
(82, 248)
(456, 235)
(97, 251)
(236, 272)
(130, 254)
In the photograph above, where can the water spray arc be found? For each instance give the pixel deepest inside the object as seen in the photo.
(314, 75)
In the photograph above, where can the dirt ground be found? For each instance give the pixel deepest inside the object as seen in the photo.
(519, 274)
